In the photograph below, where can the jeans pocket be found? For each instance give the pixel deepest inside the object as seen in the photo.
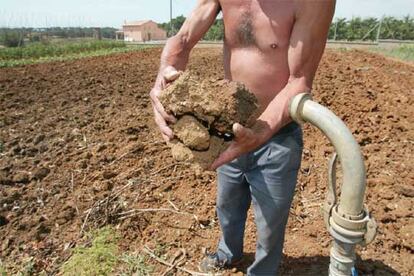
(285, 151)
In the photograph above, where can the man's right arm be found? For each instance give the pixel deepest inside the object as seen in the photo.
(176, 53)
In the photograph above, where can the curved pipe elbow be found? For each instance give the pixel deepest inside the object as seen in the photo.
(303, 109)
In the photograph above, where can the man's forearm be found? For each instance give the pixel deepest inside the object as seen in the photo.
(276, 115)
(175, 53)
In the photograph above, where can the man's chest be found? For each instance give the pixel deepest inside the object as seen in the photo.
(265, 24)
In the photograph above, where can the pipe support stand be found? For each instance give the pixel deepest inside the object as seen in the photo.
(342, 259)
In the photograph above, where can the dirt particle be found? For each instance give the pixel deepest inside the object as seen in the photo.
(109, 174)
(4, 179)
(21, 177)
(43, 148)
(137, 148)
(405, 190)
(15, 150)
(31, 151)
(6, 244)
(68, 213)
(76, 132)
(39, 138)
(108, 185)
(42, 230)
(407, 236)
(83, 164)
(387, 195)
(87, 155)
(41, 173)
(3, 220)
(101, 147)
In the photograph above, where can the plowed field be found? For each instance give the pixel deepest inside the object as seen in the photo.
(79, 150)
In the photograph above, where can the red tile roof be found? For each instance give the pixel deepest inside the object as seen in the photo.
(136, 23)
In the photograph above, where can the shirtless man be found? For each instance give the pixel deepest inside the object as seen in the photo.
(274, 48)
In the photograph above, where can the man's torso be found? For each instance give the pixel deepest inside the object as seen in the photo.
(257, 34)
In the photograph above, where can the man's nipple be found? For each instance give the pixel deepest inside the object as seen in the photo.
(273, 45)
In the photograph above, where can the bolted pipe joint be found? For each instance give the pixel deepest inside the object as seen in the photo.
(348, 221)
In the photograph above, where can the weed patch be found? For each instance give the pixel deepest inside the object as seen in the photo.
(98, 259)
(135, 264)
(102, 257)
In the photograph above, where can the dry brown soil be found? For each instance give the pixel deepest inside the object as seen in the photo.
(74, 133)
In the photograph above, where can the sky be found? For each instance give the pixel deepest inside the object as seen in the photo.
(112, 13)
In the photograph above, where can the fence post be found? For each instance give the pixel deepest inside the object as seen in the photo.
(379, 29)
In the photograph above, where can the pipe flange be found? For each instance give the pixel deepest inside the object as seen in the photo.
(296, 105)
(371, 232)
(354, 223)
(344, 234)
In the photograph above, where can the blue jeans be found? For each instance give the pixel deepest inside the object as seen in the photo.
(267, 177)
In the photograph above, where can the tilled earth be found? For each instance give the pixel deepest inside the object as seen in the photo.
(79, 150)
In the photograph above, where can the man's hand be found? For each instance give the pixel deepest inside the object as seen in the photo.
(169, 74)
(245, 140)
(175, 56)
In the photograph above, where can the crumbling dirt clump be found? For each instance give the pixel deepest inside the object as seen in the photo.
(206, 111)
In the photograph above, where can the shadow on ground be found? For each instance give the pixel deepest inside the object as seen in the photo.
(318, 265)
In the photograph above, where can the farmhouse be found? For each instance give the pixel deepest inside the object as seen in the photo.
(141, 31)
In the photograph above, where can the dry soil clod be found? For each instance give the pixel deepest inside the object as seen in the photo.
(206, 111)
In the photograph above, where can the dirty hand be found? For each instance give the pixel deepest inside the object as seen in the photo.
(168, 75)
(245, 140)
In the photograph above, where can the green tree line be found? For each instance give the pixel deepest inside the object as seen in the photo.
(356, 28)
(353, 29)
(359, 28)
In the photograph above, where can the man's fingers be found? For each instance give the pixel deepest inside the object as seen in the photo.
(241, 132)
(228, 155)
(171, 74)
(165, 130)
(158, 106)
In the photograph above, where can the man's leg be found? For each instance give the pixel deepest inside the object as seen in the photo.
(273, 180)
(233, 201)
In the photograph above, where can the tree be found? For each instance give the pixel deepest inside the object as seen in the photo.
(13, 38)
(359, 28)
(174, 26)
(216, 31)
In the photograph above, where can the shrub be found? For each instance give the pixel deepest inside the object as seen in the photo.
(13, 39)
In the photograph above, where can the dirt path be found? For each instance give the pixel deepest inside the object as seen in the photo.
(74, 133)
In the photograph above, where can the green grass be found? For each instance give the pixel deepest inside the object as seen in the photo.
(404, 52)
(98, 259)
(135, 264)
(60, 51)
(103, 257)
(3, 271)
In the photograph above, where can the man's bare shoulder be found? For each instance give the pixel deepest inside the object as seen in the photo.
(313, 7)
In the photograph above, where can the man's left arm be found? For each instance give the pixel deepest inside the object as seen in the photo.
(307, 43)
